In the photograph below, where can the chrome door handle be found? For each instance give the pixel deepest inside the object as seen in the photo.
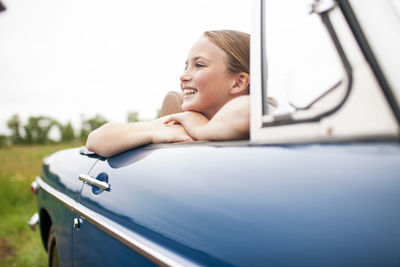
(76, 223)
(92, 181)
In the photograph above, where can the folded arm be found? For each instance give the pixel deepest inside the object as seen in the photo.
(113, 138)
(231, 122)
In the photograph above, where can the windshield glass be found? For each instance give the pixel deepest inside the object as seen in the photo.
(302, 61)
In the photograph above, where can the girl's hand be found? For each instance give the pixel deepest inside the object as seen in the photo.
(193, 122)
(163, 132)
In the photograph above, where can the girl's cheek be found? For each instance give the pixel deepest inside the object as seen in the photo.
(202, 77)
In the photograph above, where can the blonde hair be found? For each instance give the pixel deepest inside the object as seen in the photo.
(236, 45)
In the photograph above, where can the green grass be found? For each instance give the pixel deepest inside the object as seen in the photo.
(19, 165)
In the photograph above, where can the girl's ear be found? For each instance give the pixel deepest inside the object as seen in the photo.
(241, 83)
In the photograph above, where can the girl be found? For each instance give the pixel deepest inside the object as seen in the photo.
(213, 105)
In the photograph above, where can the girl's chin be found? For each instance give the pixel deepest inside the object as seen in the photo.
(188, 104)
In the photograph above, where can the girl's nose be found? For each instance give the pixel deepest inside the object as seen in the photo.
(186, 76)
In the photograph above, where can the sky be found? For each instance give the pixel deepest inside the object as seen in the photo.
(68, 59)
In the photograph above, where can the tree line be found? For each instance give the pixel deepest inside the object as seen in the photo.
(36, 130)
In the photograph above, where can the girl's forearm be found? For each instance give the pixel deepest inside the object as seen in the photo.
(113, 138)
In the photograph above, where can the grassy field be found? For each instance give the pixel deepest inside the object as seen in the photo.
(19, 165)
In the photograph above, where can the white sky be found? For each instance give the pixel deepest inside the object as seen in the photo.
(67, 58)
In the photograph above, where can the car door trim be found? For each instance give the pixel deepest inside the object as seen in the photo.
(139, 244)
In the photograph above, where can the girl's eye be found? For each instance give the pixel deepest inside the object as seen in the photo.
(197, 65)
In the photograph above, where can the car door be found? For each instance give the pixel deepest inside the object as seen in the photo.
(138, 220)
(178, 205)
(94, 244)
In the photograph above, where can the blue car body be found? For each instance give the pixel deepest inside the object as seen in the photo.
(309, 205)
(312, 190)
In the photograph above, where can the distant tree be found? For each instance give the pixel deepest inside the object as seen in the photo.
(67, 132)
(90, 124)
(158, 113)
(4, 141)
(133, 116)
(37, 129)
(14, 125)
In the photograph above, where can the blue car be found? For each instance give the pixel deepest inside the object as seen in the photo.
(317, 183)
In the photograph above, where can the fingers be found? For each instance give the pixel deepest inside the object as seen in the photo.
(168, 119)
(176, 118)
(172, 122)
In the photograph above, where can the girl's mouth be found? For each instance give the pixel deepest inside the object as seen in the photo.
(189, 92)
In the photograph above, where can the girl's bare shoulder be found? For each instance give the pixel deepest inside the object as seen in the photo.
(172, 103)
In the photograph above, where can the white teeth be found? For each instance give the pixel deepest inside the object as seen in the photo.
(189, 91)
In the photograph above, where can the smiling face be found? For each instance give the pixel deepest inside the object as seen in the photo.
(206, 82)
